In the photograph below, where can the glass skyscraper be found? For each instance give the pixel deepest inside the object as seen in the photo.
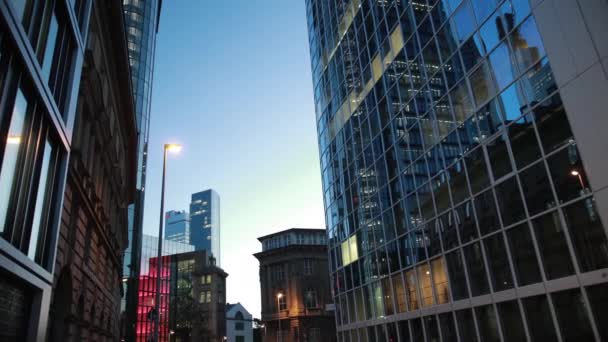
(463, 168)
(142, 20)
(205, 222)
(177, 226)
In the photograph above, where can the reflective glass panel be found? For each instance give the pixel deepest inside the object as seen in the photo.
(524, 143)
(440, 280)
(496, 254)
(540, 321)
(430, 325)
(511, 321)
(598, 298)
(466, 325)
(536, 188)
(502, 66)
(457, 275)
(477, 270)
(448, 330)
(552, 244)
(568, 173)
(587, 234)
(12, 153)
(523, 254)
(509, 202)
(572, 316)
(487, 216)
(488, 323)
(44, 180)
(527, 45)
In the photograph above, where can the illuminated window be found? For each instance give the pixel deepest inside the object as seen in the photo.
(283, 303)
(350, 252)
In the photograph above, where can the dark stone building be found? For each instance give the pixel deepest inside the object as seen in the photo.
(197, 292)
(294, 281)
(100, 185)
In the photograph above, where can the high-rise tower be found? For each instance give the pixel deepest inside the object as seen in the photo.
(177, 226)
(142, 20)
(205, 222)
(465, 185)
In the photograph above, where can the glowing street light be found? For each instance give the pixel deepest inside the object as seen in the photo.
(174, 148)
(279, 333)
(575, 173)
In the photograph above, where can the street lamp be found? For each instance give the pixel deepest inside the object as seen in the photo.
(279, 333)
(580, 179)
(175, 148)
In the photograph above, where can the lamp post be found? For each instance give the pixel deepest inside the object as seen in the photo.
(166, 149)
(279, 333)
(580, 179)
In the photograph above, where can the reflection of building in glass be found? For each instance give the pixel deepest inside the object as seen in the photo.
(193, 293)
(177, 226)
(451, 173)
(142, 22)
(294, 279)
(205, 222)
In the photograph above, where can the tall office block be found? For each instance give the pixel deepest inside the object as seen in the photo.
(465, 180)
(205, 222)
(142, 21)
(177, 226)
(42, 49)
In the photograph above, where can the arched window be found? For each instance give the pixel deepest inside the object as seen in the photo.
(239, 324)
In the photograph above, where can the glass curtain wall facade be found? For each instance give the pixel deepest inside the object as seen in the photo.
(142, 20)
(41, 57)
(205, 223)
(458, 206)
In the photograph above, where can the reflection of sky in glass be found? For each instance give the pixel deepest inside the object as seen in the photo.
(510, 103)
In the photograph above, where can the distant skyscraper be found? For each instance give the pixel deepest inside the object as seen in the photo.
(463, 164)
(205, 222)
(177, 226)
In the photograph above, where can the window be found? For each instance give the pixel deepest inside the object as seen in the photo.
(500, 272)
(279, 272)
(239, 326)
(587, 234)
(538, 316)
(552, 245)
(206, 279)
(310, 299)
(572, 316)
(283, 302)
(308, 269)
(457, 275)
(488, 325)
(205, 297)
(524, 256)
(440, 280)
(28, 170)
(511, 321)
(239, 338)
(448, 330)
(477, 270)
(598, 298)
(466, 325)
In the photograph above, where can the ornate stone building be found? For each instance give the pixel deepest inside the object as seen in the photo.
(100, 185)
(294, 281)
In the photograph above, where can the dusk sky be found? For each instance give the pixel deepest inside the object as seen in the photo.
(232, 84)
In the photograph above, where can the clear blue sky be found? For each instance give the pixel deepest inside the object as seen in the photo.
(232, 84)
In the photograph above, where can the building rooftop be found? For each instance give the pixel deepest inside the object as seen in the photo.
(293, 236)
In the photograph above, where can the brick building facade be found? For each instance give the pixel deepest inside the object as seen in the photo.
(100, 184)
